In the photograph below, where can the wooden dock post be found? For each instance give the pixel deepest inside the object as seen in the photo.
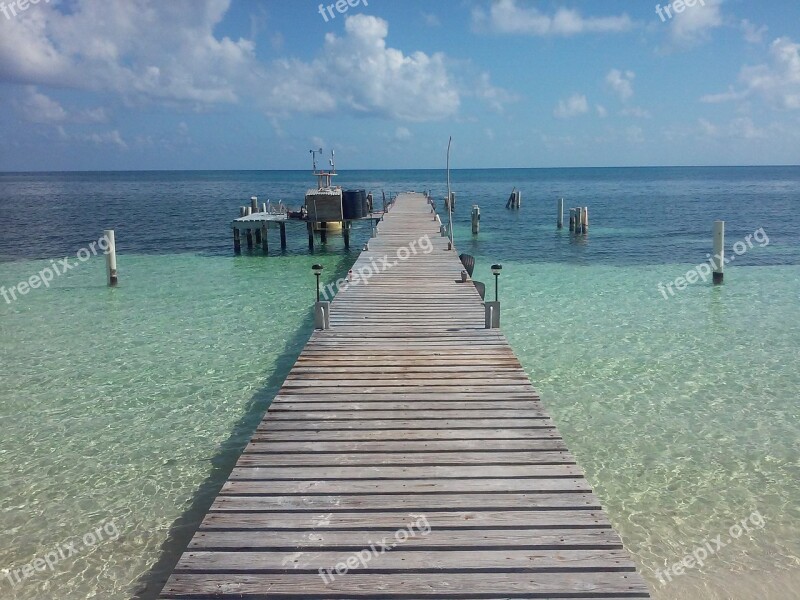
(585, 220)
(257, 233)
(283, 235)
(572, 219)
(578, 219)
(719, 252)
(249, 239)
(476, 219)
(310, 227)
(237, 242)
(323, 232)
(264, 240)
(560, 222)
(111, 257)
(346, 233)
(322, 315)
(254, 204)
(492, 315)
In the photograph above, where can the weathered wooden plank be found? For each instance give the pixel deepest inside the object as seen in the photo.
(523, 519)
(410, 502)
(408, 446)
(474, 539)
(329, 487)
(413, 472)
(398, 459)
(401, 586)
(399, 559)
(409, 424)
(407, 434)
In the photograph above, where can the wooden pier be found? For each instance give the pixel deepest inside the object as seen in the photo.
(406, 411)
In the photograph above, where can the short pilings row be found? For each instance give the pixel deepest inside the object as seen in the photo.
(256, 236)
(578, 218)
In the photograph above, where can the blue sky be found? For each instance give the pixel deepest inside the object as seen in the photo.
(213, 84)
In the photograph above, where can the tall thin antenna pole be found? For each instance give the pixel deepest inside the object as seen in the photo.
(449, 196)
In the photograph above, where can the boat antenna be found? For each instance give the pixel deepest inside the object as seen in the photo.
(449, 196)
(333, 160)
(314, 157)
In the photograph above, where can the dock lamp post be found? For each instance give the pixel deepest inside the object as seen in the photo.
(496, 272)
(317, 269)
(322, 310)
(493, 308)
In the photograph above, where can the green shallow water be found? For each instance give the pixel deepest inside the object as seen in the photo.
(127, 404)
(119, 404)
(683, 412)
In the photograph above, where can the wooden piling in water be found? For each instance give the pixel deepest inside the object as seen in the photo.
(283, 235)
(249, 239)
(560, 222)
(572, 219)
(237, 242)
(254, 204)
(310, 227)
(111, 257)
(719, 252)
(264, 239)
(323, 233)
(346, 233)
(476, 219)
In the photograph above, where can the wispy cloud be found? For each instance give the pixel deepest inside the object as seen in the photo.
(511, 16)
(574, 106)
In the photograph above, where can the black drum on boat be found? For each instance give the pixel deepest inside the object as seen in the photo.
(353, 205)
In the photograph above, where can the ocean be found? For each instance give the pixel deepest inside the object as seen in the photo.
(122, 410)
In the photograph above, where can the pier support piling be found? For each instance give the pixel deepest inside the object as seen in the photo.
(283, 235)
(237, 242)
(111, 257)
(560, 212)
(264, 240)
(310, 227)
(323, 233)
(254, 204)
(346, 233)
(572, 219)
(719, 252)
(585, 220)
(249, 239)
(476, 219)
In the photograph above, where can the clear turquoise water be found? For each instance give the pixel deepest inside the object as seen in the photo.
(130, 404)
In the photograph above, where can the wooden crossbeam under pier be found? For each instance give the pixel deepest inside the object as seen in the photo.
(406, 416)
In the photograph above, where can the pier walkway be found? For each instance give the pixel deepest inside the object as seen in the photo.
(407, 456)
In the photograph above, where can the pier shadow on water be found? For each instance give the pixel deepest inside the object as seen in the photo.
(183, 529)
